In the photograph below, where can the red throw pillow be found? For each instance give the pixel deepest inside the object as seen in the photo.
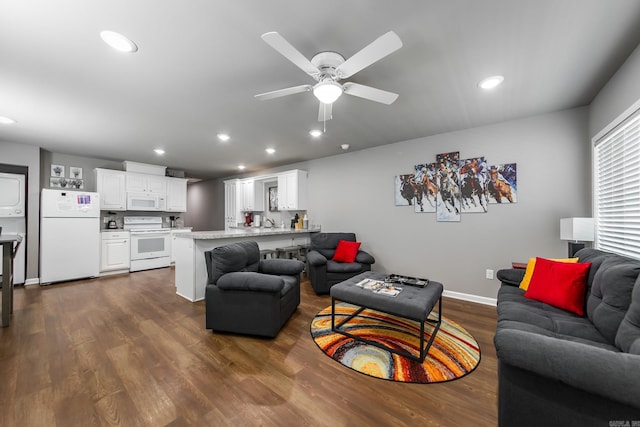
(346, 251)
(559, 284)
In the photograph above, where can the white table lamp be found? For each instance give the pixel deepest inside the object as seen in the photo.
(577, 230)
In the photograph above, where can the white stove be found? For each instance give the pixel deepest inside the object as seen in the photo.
(150, 242)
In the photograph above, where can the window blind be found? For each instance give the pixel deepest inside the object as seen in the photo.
(617, 189)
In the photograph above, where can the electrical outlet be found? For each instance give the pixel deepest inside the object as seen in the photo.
(489, 274)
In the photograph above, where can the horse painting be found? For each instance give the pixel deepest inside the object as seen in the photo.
(449, 193)
(498, 187)
(471, 190)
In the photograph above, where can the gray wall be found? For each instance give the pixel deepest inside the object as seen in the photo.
(88, 164)
(29, 156)
(620, 93)
(354, 192)
(205, 205)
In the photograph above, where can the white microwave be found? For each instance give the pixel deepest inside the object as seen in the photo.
(146, 202)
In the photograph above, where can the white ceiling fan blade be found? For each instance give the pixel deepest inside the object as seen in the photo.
(378, 49)
(283, 92)
(285, 48)
(370, 93)
(324, 112)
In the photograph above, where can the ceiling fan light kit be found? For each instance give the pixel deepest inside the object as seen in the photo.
(327, 91)
(327, 68)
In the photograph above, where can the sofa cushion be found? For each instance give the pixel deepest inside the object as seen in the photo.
(346, 251)
(596, 257)
(517, 312)
(611, 294)
(343, 267)
(531, 265)
(628, 336)
(241, 256)
(559, 284)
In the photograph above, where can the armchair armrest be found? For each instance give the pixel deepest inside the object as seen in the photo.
(511, 276)
(364, 257)
(593, 369)
(316, 259)
(290, 267)
(250, 281)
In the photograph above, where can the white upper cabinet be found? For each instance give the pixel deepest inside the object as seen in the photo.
(142, 183)
(292, 190)
(232, 202)
(252, 195)
(110, 184)
(176, 194)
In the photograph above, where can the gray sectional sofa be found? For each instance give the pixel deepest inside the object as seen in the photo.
(556, 368)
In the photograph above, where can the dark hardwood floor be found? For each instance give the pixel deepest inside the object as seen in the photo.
(126, 350)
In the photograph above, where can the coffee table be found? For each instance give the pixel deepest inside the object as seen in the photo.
(412, 303)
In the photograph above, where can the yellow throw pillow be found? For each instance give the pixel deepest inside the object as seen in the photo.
(531, 265)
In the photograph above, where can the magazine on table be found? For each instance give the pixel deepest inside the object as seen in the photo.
(379, 287)
(406, 280)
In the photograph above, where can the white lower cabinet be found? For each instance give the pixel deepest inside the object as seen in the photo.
(175, 231)
(114, 251)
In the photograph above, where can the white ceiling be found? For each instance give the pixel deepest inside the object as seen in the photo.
(201, 61)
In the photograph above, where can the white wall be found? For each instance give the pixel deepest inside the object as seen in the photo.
(354, 192)
(29, 156)
(620, 93)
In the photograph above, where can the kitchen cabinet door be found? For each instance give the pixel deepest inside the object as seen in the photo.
(232, 203)
(114, 251)
(176, 194)
(141, 183)
(292, 190)
(252, 195)
(110, 184)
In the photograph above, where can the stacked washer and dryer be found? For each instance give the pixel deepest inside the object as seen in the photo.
(13, 218)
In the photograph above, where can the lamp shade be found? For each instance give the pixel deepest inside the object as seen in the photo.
(327, 91)
(578, 229)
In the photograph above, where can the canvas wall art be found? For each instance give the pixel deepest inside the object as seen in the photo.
(404, 191)
(425, 188)
(473, 180)
(502, 186)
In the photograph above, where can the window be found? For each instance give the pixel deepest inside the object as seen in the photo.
(617, 188)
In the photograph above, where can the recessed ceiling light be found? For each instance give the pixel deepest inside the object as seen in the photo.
(491, 82)
(345, 146)
(241, 167)
(118, 42)
(315, 133)
(159, 151)
(6, 120)
(270, 150)
(223, 137)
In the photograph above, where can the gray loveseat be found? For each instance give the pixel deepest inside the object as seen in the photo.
(249, 295)
(560, 369)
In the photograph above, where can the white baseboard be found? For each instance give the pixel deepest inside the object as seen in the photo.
(34, 281)
(471, 298)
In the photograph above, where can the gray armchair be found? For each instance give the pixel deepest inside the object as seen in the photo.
(323, 271)
(249, 295)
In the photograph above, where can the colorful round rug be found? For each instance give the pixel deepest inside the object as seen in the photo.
(453, 354)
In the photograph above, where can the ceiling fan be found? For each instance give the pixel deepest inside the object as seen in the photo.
(328, 68)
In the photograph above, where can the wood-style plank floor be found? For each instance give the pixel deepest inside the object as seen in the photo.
(126, 350)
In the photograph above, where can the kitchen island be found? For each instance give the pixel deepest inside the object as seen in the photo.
(190, 267)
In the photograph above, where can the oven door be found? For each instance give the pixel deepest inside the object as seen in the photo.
(146, 244)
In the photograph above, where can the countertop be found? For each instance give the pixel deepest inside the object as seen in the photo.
(245, 232)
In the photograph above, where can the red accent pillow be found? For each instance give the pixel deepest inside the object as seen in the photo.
(559, 284)
(346, 251)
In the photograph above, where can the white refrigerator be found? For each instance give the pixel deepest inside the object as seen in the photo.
(69, 235)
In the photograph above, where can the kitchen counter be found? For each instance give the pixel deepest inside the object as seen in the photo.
(189, 249)
(247, 232)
